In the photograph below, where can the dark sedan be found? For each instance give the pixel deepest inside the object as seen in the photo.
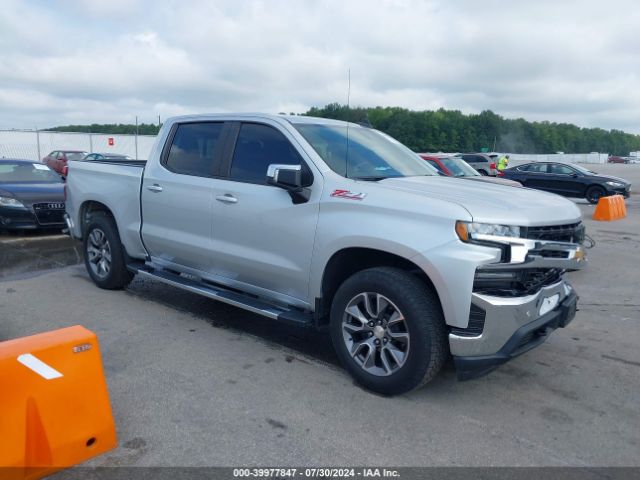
(568, 180)
(31, 196)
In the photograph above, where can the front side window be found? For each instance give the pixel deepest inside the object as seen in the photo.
(363, 153)
(257, 147)
(193, 149)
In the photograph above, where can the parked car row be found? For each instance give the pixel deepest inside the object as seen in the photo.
(31, 195)
(58, 159)
(453, 166)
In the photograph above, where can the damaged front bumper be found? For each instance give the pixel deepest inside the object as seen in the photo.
(516, 304)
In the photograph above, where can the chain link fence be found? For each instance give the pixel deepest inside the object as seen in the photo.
(36, 144)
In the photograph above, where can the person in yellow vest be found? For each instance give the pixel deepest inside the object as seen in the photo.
(503, 163)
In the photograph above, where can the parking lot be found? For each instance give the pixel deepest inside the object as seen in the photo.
(194, 382)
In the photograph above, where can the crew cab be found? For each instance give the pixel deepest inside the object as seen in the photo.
(326, 224)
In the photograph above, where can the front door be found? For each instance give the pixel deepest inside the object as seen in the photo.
(260, 238)
(565, 180)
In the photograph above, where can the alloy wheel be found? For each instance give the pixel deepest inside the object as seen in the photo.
(375, 333)
(99, 253)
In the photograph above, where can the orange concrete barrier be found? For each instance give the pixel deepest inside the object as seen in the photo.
(610, 208)
(54, 403)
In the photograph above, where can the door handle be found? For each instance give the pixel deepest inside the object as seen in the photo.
(227, 198)
(155, 188)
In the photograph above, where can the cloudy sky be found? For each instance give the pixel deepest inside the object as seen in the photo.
(99, 61)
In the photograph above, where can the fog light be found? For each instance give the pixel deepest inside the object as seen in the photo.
(549, 303)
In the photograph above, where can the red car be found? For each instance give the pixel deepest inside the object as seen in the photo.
(616, 159)
(457, 167)
(58, 159)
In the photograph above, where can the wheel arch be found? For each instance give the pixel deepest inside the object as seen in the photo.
(87, 209)
(346, 262)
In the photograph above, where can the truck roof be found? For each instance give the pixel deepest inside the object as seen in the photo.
(269, 116)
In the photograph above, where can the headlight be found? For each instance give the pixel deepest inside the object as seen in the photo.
(467, 231)
(10, 202)
(615, 184)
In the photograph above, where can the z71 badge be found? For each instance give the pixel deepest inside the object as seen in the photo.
(348, 194)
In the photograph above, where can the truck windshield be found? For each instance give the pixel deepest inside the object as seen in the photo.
(371, 155)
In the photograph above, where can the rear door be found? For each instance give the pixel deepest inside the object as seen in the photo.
(536, 177)
(262, 240)
(176, 197)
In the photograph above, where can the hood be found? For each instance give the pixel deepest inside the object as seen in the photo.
(499, 181)
(490, 202)
(30, 193)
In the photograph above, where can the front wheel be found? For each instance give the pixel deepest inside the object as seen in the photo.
(388, 330)
(594, 194)
(104, 254)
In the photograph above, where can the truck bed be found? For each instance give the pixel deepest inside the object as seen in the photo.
(115, 185)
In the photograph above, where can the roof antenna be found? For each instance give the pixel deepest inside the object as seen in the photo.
(346, 174)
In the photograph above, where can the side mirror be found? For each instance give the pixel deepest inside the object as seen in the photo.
(288, 177)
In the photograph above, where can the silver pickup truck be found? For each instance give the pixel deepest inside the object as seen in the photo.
(324, 224)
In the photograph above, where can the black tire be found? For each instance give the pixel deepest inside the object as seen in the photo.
(420, 307)
(594, 193)
(117, 276)
(484, 173)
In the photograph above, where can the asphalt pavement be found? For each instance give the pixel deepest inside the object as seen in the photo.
(198, 383)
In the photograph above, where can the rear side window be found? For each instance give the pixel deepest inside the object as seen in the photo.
(538, 168)
(193, 149)
(257, 147)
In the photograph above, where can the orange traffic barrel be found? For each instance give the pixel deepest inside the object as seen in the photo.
(54, 403)
(610, 208)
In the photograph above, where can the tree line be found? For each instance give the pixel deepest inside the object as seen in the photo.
(449, 131)
(116, 129)
(453, 131)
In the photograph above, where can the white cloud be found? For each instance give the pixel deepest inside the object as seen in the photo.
(107, 60)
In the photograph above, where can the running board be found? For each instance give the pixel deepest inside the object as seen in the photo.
(252, 304)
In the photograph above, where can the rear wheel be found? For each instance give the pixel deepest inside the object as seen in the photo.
(594, 193)
(104, 254)
(388, 330)
(483, 173)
